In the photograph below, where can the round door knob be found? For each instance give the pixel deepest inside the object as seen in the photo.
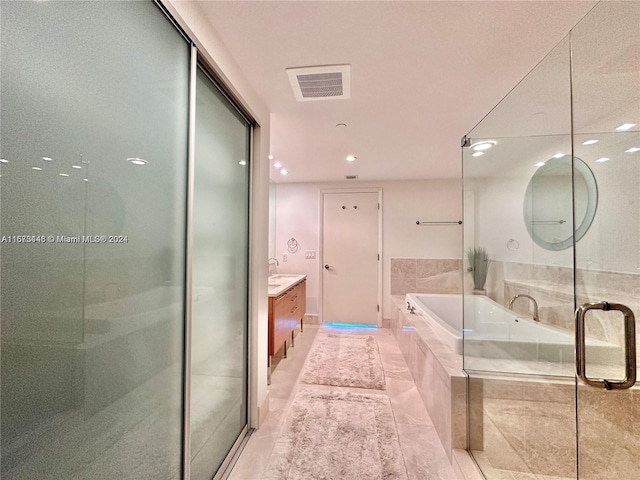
(327, 266)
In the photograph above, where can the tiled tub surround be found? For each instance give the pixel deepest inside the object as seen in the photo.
(552, 287)
(437, 372)
(525, 426)
(425, 275)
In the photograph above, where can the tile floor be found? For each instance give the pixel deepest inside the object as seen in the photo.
(424, 457)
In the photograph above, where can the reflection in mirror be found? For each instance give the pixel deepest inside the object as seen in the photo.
(548, 203)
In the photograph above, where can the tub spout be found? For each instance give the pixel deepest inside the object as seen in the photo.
(535, 305)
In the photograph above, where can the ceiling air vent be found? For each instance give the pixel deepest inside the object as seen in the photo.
(320, 83)
(351, 177)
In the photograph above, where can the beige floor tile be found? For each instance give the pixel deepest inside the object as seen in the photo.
(425, 458)
(407, 404)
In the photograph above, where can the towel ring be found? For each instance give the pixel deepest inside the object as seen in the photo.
(292, 245)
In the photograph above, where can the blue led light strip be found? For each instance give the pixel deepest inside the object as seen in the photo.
(350, 325)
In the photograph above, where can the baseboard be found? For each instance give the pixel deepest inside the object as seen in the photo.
(463, 465)
(311, 319)
(263, 410)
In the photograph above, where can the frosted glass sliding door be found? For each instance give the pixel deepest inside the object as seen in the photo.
(218, 409)
(94, 125)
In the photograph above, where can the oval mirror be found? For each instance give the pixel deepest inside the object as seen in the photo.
(548, 203)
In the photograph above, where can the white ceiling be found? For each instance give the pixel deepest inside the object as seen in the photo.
(423, 74)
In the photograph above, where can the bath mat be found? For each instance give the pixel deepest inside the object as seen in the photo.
(337, 435)
(345, 361)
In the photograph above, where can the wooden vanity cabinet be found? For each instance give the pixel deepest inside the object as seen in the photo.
(285, 312)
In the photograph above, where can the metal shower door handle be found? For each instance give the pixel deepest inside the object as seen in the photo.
(629, 345)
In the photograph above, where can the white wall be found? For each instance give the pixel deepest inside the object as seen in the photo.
(193, 20)
(403, 203)
(499, 217)
(607, 245)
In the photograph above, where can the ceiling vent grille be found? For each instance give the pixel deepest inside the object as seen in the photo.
(320, 83)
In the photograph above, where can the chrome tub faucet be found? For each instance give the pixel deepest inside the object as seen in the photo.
(535, 305)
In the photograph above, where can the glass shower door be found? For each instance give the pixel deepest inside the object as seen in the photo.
(606, 118)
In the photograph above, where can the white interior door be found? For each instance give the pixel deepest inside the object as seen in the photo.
(350, 257)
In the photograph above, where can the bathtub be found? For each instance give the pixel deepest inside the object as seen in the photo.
(493, 331)
(443, 313)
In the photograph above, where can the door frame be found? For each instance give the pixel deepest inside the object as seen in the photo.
(323, 192)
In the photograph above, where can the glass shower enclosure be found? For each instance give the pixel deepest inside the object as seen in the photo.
(551, 190)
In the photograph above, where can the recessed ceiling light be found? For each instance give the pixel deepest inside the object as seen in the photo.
(351, 158)
(603, 159)
(242, 162)
(271, 157)
(539, 164)
(137, 161)
(277, 165)
(63, 174)
(477, 154)
(284, 172)
(481, 146)
(36, 168)
(86, 179)
(76, 166)
(625, 126)
(47, 159)
(590, 142)
(4, 160)
(558, 155)
(632, 150)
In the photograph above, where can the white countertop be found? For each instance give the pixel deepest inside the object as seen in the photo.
(280, 282)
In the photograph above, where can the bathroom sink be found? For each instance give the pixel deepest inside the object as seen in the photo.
(280, 282)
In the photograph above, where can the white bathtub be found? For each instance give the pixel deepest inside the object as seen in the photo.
(493, 331)
(443, 313)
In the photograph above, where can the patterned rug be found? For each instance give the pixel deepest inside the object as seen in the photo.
(344, 361)
(331, 435)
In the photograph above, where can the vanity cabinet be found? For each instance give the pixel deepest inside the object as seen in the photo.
(285, 312)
